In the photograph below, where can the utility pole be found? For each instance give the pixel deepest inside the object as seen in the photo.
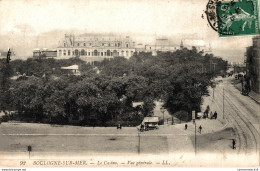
(139, 149)
(213, 95)
(223, 103)
(195, 140)
(194, 122)
(163, 110)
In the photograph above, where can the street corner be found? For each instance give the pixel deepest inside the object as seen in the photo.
(217, 142)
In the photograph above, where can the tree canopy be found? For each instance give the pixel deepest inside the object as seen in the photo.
(180, 79)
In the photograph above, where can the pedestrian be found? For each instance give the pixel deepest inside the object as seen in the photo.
(233, 144)
(186, 126)
(200, 128)
(211, 114)
(142, 128)
(215, 115)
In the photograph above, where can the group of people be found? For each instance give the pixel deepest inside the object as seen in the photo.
(210, 115)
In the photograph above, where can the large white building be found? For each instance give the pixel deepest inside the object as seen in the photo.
(90, 47)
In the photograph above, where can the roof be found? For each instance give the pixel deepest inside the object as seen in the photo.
(71, 67)
(135, 104)
(151, 119)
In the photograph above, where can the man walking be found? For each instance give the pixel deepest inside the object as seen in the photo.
(200, 128)
(233, 144)
(186, 126)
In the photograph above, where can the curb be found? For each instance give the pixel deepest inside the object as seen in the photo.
(254, 99)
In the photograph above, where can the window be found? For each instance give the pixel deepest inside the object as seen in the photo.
(105, 54)
(64, 52)
(115, 44)
(78, 44)
(127, 45)
(103, 44)
(101, 53)
(95, 53)
(68, 52)
(118, 44)
(88, 53)
(64, 44)
(84, 44)
(77, 52)
(108, 53)
(82, 53)
(108, 44)
(126, 53)
(59, 52)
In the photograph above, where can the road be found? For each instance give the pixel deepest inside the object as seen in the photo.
(241, 113)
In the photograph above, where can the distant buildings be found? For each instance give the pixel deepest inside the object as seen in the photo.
(44, 53)
(162, 45)
(253, 64)
(3, 54)
(95, 47)
(165, 45)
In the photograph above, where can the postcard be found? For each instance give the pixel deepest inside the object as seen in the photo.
(129, 84)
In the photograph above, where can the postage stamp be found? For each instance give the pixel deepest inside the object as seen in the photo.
(233, 18)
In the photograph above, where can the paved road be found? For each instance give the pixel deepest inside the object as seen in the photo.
(241, 113)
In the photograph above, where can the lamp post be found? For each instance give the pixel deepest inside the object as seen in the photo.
(139, 144)
(194, 122)
(223, 103)
(195, 139)
(163, 110)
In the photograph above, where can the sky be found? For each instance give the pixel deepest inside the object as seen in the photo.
(22, 21)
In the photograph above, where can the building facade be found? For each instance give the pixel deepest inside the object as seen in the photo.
(44, 53)
(253, 64)
(95, 47)
(162, 45)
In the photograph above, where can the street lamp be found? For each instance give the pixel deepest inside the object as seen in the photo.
(194, 122)
(163, 110)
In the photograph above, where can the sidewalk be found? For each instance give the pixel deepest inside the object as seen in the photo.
(255, 96)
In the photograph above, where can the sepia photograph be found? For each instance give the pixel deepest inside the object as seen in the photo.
(129, 84)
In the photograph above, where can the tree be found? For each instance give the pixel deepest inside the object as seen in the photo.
(55, 100)
(28, 97)
(5, 74)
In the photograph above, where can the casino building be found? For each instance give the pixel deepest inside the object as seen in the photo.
(90, 47)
